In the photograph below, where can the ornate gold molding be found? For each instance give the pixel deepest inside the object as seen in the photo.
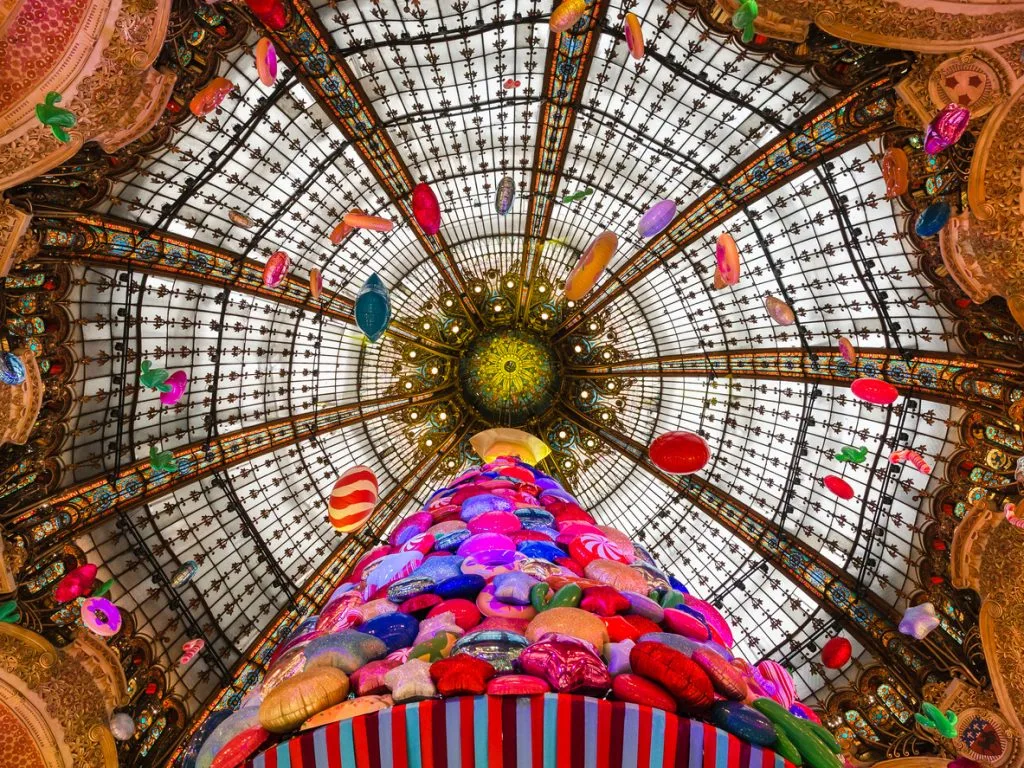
(20, 405)
(104, 75)
(17, 243)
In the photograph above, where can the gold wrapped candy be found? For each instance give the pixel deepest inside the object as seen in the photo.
(302, 696)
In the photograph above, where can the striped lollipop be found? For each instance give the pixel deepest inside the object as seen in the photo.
(775, 673)
(353, 499)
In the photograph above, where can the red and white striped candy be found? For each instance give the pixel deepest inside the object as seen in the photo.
(190, 648)
(353, 499)
(912, 457)
(593, 546)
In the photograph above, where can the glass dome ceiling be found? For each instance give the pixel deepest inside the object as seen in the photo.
(763, 146)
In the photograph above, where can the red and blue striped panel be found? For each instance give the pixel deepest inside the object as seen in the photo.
(550, 731)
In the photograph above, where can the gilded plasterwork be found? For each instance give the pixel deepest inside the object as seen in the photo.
(20, 405)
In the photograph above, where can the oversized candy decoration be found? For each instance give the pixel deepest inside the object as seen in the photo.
(919, 621)
(373, 308)
(895, 172)
(176, 385)
(266, 61)
(239, 219)
(847, 351)
(874, 391)
(210, 97)
(932, 219)
(915, 459)
(162, 461)
(359, 220)
(76, 584)
(101, 616)
(853, 455)
(634, 38)
(575, 197)
(238, 749)
(57, 119)
(838, 487)
(658, 216)
(566, 14)
(779, 311)
(190, 649)
(932, 718)
(184, 575)
(588, 269)
(122, 726)
(12, 370)
(276, 269)
(504, 195)
(781, 681)
(9, 613)
(946, 128)
(426, 208)
(1010, 514)
(353, 499)
(727, 259)
(836, 652)
(511, 84)
(339, 232)
(271, 12)
(679, 453)
(505, 441)
(743, 19)
(316, 283)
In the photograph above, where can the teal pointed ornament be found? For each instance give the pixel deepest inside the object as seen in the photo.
(743, 19)
(57, 119)
(373, 308)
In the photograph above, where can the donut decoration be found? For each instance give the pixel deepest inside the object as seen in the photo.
(847, 351)
(874, 391)
(353, 499)
(266, 61)
(373, 308)
(190, 649)
(779, 311)
(946, 128)
(590, 266)
(504, 195)
(727, 259)
(567, 14)
(634, 38)
(358, 220)
(838, 487)
(895, 172)
(210, 97)
(276, 269)
(912, 457)
(659, 215)
(679, 453)
(316, 283)
(426, 209)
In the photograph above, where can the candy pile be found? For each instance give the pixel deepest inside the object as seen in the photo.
(502, 584)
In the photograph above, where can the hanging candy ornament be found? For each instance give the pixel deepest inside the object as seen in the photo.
(847, 351)
(190, 649)
(316, 283)
(575, 197)
(932, 219)
(743, 19)
(373, 308)
(240, 220)
(679, 453)
(836, 652)
(504, 195)
(162, 461)
(12, 370)
(266, 61)
(1010, 513)
(511, 84)
(101, 616)
(76, 584)
(919, 621)
(184, 574)
(339, 232)
(915, 459)
(122, 726)
(853, 455)
(590, 266)
(657, 217)
(276, 269)
(210, 97)
(874, 391)
(356, 219)
(9, 613)
(176, 385)
(353, 499)
(946, 128)
(727, 259)
(838, 487)
(895, 172)
(779, 311)
(634, 36)
(271, 12)
(566, 14)
(426, 208)
(57, 119)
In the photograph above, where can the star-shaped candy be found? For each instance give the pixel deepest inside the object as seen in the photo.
(918, 621)
(411, 681)
(461, 675)
(617, 655)
(434, 625)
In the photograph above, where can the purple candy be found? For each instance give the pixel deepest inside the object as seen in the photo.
(485, 502)
(658, 217)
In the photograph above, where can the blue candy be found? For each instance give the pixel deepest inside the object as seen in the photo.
(396, 630)
(541, 550)
(467, 586)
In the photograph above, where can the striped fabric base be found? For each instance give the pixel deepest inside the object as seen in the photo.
(550, 731)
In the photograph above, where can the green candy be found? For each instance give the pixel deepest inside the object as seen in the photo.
(672, 598)
(783, 746)
(437, 647)
(568, 596)
(743, 19)
(57, 119)
(931, 717)
(162, 461)
(9, 612)
(813, 742)
(853, 455)
(154, 378)
(103, 588)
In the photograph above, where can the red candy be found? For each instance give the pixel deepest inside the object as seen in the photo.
(685, 680)
(838, 486)
(461, 675)
(419, 604)
(629, 627)
(638, 690)
(465, 611)
(682, 623)
(604, 601)
(517, 685)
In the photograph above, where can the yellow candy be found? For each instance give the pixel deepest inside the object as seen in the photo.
(574, 622)
(567, 14)
(302, 696)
